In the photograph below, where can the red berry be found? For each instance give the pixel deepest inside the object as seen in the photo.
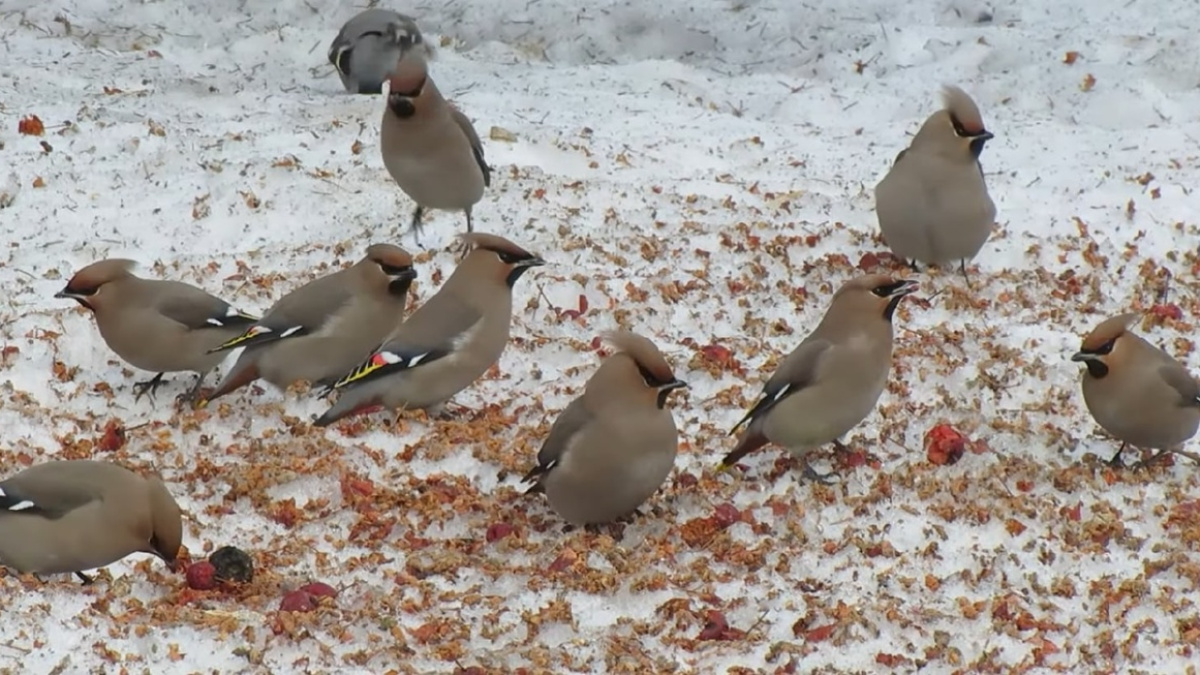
(201, 576)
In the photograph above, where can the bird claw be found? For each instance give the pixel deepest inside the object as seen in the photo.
(147, 387)
(1145, 463)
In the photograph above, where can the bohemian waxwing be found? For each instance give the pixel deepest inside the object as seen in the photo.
(1136, 391)
(612, 447)
(160, 326)
(70, 516)
(370, 45)
(933, 205)
(321, 330)
(429, 147)
(833, 380)
(448, 343)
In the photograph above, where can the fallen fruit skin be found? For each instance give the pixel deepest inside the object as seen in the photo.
(318, 589)
(297, 601)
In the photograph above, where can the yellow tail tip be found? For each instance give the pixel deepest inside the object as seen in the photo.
(202, 404)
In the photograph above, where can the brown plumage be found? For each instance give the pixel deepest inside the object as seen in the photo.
(933, 205)
(612, 447)
(1137, 392)
(155, 325)
(833, 379)
(325, 327)
(429, 147)
(448, 342)
(70, 516)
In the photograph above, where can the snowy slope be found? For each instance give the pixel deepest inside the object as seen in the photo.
(700, 172)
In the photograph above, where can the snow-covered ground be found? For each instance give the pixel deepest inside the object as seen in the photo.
(699, 171)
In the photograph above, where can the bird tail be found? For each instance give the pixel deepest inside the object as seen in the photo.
(348, 405)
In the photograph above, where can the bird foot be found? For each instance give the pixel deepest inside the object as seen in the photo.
(1153, 459)
(87, 581)
(147, 387)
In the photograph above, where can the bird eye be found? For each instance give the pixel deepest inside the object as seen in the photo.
(1107, 347)
(959, 129)
(83, 291)
(508, 258)
(886, 290)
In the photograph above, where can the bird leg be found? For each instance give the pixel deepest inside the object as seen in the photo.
(192, 395)
(87, 581)
(962, 267)
(1161, 453)
(1116, 459)
(147, 387)
(470, 227)
(912, 264)
(415, 225)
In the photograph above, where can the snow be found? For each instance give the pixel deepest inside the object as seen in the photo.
(653, 141)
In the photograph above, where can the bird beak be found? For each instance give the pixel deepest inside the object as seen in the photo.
(64, 293)
(405, 274)
(905, 288)
(673, 385)
(1080, 357)
(985, 136)
(531, 262)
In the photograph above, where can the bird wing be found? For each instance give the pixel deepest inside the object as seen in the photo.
(1182, 382)
(571, 421)
(797, 371)
(47, 498)
(197, 309)
(436, 330)
(301, 312)
(476, 144)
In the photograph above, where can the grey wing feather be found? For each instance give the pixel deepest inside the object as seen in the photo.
(309, 306)
(1182, 382)
(437, 324)
(193, 307)
(476, 144)
(572, 420)
(797, 371)
(51, 499)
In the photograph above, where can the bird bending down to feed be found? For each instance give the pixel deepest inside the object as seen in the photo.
(369, 46)
(76, 515)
